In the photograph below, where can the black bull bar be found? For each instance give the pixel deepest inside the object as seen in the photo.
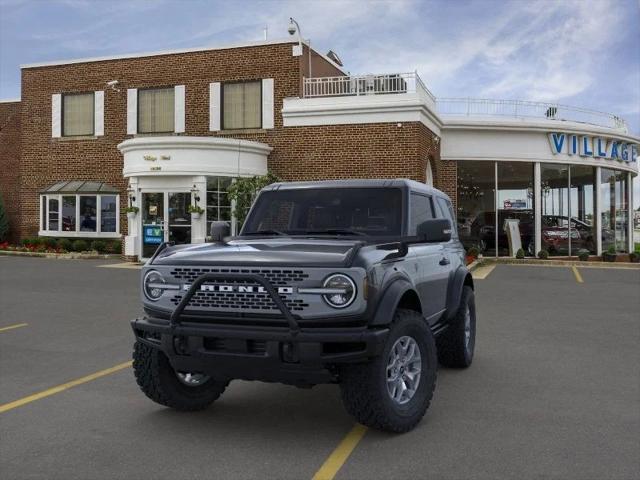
(175, 319)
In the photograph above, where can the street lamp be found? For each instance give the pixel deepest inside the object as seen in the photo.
(293, 28)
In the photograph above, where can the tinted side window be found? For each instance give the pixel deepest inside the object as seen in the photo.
(447, 212)
(421, 209)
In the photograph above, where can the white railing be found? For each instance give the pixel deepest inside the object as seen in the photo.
(526, 109)
(356, 85)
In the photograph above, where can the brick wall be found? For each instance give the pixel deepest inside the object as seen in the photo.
(299, 153)
(10, 163)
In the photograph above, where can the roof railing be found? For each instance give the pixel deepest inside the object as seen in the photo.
(526, 109)
(371, 84)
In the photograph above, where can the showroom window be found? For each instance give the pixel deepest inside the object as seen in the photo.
(218, 203)
(516, 202)
(614, 210)
(80, 209)
(242, 105)
(476, 205)
(156, 110)
(78, 114)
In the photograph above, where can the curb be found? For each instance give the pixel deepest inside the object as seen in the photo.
(63, 256)
(558, 263)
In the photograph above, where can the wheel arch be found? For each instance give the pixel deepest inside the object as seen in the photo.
(399, 294)
(460, 279)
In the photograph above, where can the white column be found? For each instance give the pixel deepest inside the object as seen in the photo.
(630, 242)
(537, 210)
(132, 241)
(199, 226)
(598, 215)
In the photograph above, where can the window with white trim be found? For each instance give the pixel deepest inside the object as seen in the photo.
(78, 114)
(80, 209)
(242, 105)
(156, 110)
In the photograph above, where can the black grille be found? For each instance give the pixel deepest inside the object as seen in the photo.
(237, 301)
(277, 277)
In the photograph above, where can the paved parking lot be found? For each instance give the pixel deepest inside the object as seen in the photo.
(554, 391)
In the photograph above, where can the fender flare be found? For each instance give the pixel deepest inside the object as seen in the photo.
(458, 280)
(390, 299)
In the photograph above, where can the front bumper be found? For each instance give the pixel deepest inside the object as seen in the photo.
(277, 354)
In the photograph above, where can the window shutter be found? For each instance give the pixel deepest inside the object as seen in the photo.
(214, 107)
(178, 110)
(132, 111)
(56, 115)
(267, 103)
(98, 112)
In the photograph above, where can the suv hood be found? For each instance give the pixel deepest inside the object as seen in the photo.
(284, 251)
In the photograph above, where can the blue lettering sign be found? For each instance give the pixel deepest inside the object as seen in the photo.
(601, 150)
(573, 147)
(557, 142)
(153, 234)
(614, 155)
(586, 147)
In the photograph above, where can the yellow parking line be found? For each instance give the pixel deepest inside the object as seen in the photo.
(51, 391)
(335, 461)
(11, 327)
(576, 274)
(482, 272)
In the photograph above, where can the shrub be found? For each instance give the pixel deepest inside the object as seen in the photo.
(520, 253)
(99, 246)
(543, 254)
(4, 222)
(65, 244)
(80, 245)
(611, 250)
(583, 254)
(49, 242)
(244, 190)
(114, 246)
(634, 257)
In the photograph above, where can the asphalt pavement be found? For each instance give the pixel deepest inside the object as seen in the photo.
(554, 391)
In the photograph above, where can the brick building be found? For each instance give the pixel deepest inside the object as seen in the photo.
(162, 131)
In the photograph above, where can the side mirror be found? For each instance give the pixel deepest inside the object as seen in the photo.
(436, 230)
(219, 230)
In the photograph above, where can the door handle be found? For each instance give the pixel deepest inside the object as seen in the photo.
(444, 261)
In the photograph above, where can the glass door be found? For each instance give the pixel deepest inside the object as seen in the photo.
(153, 227)
(179, 230)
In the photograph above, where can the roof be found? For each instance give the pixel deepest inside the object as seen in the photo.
(80, 186)
(174, 52)
(356, 183)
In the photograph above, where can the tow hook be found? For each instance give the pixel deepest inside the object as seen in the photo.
(290, 353)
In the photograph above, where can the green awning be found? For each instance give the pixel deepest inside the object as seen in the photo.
(80, 186)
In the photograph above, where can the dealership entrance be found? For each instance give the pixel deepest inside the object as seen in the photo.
(164, 218)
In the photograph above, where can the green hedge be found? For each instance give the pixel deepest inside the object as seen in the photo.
(75, 244)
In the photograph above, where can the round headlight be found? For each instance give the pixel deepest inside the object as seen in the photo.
(341, 291)
(152, 285)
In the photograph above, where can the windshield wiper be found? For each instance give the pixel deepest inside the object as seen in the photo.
(265, 232)
(335, 231)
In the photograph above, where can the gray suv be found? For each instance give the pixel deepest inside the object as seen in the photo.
(356, 282)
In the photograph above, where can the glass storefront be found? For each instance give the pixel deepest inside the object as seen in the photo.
(515, 202)
(615, 210)
(476, 205)
(567, 207)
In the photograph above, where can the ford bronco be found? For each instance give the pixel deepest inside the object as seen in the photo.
(361, 283)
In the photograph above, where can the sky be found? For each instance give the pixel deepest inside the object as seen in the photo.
(576, 52)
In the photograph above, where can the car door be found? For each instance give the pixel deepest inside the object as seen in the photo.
(432, 272)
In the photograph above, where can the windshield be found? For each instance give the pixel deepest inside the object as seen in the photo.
(328, 211)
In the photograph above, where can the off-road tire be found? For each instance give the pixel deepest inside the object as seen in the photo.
(453, 350)
(364, 385)
(158, 380)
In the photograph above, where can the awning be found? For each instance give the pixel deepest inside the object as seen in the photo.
(80, 186)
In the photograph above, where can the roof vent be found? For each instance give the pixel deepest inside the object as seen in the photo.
(333, 56)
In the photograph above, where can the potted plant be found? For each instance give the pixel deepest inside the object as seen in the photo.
(195, 211)
(583, 255)
(634, 257)
(472, 254)
(131, 212)
(610, 255)
(520, 254)
(543, 254)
